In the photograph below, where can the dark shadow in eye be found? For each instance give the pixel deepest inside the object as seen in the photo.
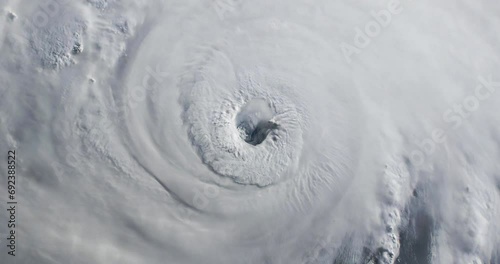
(257, 135)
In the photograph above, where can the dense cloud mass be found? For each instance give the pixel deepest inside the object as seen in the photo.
(231, 131)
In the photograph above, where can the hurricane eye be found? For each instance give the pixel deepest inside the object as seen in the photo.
(254, 121)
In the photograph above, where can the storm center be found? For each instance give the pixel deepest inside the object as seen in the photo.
(254, 121)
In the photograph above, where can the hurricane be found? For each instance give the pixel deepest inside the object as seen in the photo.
(232, 131)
